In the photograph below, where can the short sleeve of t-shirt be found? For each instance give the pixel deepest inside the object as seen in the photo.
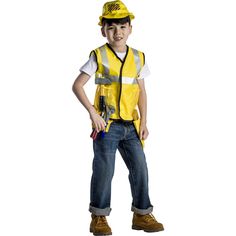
(90, 67)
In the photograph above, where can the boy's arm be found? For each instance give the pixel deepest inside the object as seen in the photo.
(142, 105)
(81, 80)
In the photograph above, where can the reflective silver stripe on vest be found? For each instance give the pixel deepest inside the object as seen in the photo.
(137, 60)
(104, 60)
(128, 80)
(100, 79)
(109, 79)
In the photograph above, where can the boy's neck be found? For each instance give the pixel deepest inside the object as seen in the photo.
(119, 49)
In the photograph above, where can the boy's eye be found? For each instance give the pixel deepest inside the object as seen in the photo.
(110, 28)
(123, 27)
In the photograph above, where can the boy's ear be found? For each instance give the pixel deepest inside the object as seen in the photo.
(103, 32)
(130, 29)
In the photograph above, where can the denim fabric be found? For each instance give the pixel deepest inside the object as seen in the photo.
(121, 136)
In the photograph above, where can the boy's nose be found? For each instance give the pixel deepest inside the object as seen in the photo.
(117, 31)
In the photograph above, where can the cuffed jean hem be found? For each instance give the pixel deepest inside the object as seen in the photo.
(142, 211)
(99, 211)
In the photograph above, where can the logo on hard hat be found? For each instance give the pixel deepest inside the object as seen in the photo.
(113, 7)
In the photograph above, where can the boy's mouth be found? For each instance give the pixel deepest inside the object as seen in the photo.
(118, 38)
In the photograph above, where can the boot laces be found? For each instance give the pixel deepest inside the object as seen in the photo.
(150, 218)
(101, 220)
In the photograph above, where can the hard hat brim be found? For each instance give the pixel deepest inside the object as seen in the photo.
(116, 17)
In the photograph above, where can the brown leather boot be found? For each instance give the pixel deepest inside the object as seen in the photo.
(99, 226)
(148, 223)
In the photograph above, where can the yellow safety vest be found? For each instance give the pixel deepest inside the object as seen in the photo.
(117, 80)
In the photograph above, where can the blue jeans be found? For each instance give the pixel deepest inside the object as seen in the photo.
(121, 136)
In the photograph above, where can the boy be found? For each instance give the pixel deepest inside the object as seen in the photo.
(119, 72)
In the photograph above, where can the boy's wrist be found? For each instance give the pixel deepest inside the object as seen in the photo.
(92, 110)
(143, 121)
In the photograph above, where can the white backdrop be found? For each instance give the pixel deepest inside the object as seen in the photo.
(46, 152)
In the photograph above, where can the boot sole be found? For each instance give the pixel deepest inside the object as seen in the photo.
(135, 227)
(99, 234)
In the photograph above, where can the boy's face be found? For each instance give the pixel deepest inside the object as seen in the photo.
(117, 35)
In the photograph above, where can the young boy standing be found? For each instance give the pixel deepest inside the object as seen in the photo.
(119, 74)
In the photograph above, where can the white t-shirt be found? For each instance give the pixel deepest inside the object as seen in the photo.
(90, 67)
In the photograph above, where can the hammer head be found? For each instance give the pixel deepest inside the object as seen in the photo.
(109, 111)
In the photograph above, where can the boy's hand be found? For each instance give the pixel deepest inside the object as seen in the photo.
(143, 132)
(98, 122)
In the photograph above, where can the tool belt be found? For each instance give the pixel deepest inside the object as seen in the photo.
(126, 122)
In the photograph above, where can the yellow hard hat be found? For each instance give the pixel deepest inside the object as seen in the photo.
(115, 10)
